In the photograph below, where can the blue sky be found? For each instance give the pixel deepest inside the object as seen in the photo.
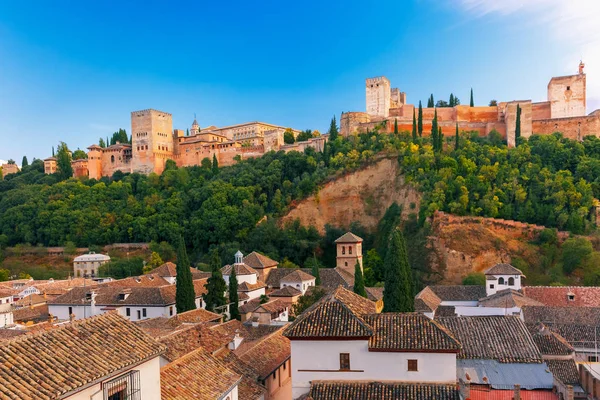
(73, 71)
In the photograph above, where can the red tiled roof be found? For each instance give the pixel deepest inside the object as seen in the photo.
(485, 394)
(240, 269)
(257, 261)
(348, 237)
(558, 296)
(372, 390)
(268, 354)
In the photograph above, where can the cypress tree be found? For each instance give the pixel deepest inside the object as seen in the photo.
(24, 162)
(398, 285)
(234, 312)
(451, 102)
(440, 139)
(456, 138)
(430, 102)
(434, 131)
(472, 103)
(518, 125)
(396, 126)
(333, 129)
(185, 296)
(216, 287)
(215, 165)
(420, 120)
(414, 130)
(52, 151)
(187, 132)
(315, 271)
(359, 282)
(63, 161)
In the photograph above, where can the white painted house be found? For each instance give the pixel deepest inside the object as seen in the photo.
(299, 280)
(343, 339)
(6, 307)
(133, 303)
(502, 277)
(89, 264)
(249, 286)
(120, 362)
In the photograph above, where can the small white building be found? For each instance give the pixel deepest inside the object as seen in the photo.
(121, 362)
(88, 264)
(343, 338)
(6, 308)
(299, 280)
(249, 286)
(502, 277)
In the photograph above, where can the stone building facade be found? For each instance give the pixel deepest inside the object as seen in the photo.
(154, 141)
(9, 169)
(564, 111)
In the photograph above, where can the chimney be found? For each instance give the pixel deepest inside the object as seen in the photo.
(570, 393)
(71, 317)
(93, 304)
(50, 318)
(255, 322)
(517, 395)
(237, 340)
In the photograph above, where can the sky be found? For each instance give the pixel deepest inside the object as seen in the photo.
(73, 71)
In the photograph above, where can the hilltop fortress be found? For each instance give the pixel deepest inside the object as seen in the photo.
(154, 141)
(564, 111)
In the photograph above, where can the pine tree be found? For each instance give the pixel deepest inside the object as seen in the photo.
(315, 271)
(234, 312)
(24, 162)
(185, 296)
(215, 165)
(420, 120)
(333, 130)
(451, 102)
(359, 283)
(472, 103)
(398, 285)
(456, 138)
(396, 126)
(215, 287)
(414, 130)
(518, 126)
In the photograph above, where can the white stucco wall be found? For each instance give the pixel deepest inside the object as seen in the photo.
(300, 285)
(149, 383)
(6, 318)
(325, 355)
(255, 294)
(232, 395)
(497, 286)
(482, 311)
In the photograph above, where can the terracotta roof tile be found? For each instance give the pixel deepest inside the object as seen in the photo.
(249, 287)
(564, 296)
(191, 338)
(564, 370)
(48, 365)
(273, 306)
(374, 293)
(268, 354)
(369, 390)
(331, 278)
(577, 325)
(348, 237)
(426, 300)
(408, 332)
(169, 270)
(249, 306)
(458, 292)
(445, 311)
(240, 269)
(501, 338)
(29, 314)
(11, 333)
(198, 315)
(338, 314)
(298, 276)
(508, 298)
(549, 342)
(148, 280)
(287, 291)
(249, 388)
(503, 269)
(198, 375)
(251, 335)
(258, 261)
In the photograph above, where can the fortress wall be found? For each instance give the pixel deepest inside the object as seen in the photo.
(477, 114)
(573, 128)
(405, 111)
(541, 110)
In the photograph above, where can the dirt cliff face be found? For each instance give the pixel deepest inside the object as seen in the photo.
(474, 244)
(362, 196)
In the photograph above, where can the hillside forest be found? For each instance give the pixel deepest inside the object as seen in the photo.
(546, 180)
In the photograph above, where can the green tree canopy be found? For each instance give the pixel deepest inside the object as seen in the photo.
(216, 287)
(63, 162)
(333, 130)
(474, 279)
(288, 136)
(359, 283)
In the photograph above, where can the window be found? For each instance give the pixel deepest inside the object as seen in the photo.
(491, 286)
(500, 281)
(413, 365)
(571, 297)
(274, 375)
(144, 312)
(112, 159)
(70, 311)
(125, 387)
(345, 361)
(592, 358)
(511, 281)
(349, 249)
(128, 312)
(139, 314)
(171, 310)
(345, 263)
(568, 87)
(343, 249)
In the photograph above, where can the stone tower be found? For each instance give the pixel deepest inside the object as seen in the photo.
(378, 96)
(152, 140)
(349, 250)
(195, 127)
(95, 161)
(567, 95)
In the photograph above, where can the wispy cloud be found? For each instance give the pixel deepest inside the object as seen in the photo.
(572, 24)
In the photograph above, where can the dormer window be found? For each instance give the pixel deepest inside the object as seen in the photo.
(571, 296)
